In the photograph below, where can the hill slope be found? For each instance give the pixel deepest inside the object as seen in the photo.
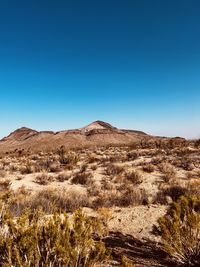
(94, 134)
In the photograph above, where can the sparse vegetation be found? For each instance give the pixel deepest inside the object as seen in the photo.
(43, 179)
(117, 184)
(37, 240)
(82, 178)
(134, 177)
(180, 231)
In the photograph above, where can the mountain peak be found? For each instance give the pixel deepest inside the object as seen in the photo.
(20, 134)
(98, 125)
(25, 129)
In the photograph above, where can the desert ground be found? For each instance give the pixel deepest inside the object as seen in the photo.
(129, 187)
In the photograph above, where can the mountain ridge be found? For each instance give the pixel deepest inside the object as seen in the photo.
(94, 134)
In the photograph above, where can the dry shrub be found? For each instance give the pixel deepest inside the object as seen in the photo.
(194, 188)
(197, 143)
(134, 177)
(48, 200)
(169, 194)
(106, 184)
(129, 196)
(43, 165)
(112, 170)
(5, 184)
(82, 178)
(119, 179)
(67, 157)
(156, 160)
(104, 213)
(29, 168)
(190, 175)
(105, 199)
(62, 177)
(54, 167)
(92, 159)
(83, 168)
(93, 190)
(180, 232)
(43, 179)
(13, 168)
(132, 196)
(168, 171)
(185, 163)
(93, 167)
(60, 199)
(148, 168)
(132, 155)
(2, 173)
(34, 239)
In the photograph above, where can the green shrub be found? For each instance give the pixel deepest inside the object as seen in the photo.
(34, 239)
(180, 231)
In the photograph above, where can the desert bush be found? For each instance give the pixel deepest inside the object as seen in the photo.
(134, 177)
(54, 167)
(156, 160)
(5, 184)
(62, 177)
(104, 214)
(61, 153)
(44, 164)
(185, 163)
(129, 196)
(49, 199)
(36, 240)
(105, 199)
(190, 175)
(2, 173)
(82, 178)
(43, 179)
(169, 173)
(194, 188)
(13, 168)
(83, 168)
(112, 170)
(176, 191)
(106, 184)
(67, 158)
(92, 159)
(93, 167)
(148, 168)
(171, 193)
(132, 155)
(27, 169)
(180, 231)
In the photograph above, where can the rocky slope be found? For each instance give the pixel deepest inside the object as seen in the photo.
(94, 134)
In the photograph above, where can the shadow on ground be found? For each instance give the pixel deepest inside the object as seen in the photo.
(143, 254)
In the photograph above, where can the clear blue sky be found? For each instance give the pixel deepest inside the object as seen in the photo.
(135, 64)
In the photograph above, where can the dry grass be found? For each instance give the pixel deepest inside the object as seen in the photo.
(134, 177)
(43, 179)
(62, 177)
(112, 170)
(48, 200)
(82, 178)
(148, 168)
(2, 173)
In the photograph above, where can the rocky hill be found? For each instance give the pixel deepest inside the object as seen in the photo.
(94, 134)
